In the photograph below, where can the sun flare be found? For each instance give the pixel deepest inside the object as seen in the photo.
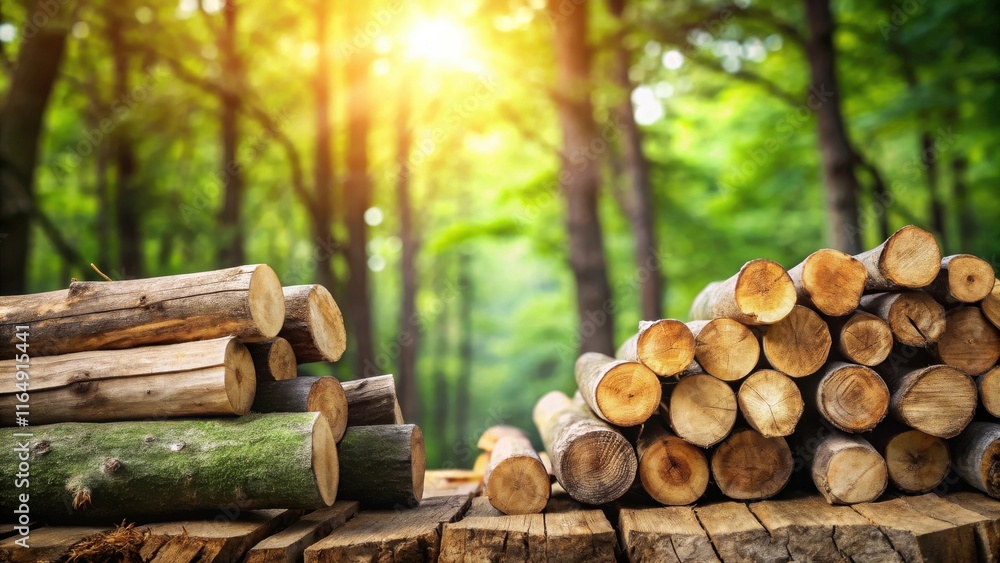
(441, 42)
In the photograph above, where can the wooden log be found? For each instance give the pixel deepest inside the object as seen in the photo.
(909, 258)
(748, 466)
(963, 278)
(918, 537)
(829, 280)
(288, 545)
(991, 305)
(861, 338)
(988, 531)
(725, 348)
(494, 434)
(123, 469)
(701, 409)
(988, 385)
(244, 301)
(847, 469)
(382, 465)
(917, 462)
(48, 544)
(273, 359)
(372, 401)
(226, 537)
(914, 317)
(670, 535)
(939, 400)
(671, 470)
(799, 344)
(771, 403)
(985, 527)
(976, 457)
(969, 342)
(207, 377)
(390, 534)
(593, 462)
(851, 397)
(314, 325)
(516, 481)
(305, 394)
(665, 346)
(620, 392)
(760, 294)
(737, 535)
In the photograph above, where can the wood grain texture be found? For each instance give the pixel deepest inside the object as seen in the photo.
(917, 462)
(830, 281)
(288, 545)
(515, 480)
(963, 278)
(669, 534)
(988, 385)
(486, 534)
(771, 403)
(371, 401)
(624, 393)
(49, 544)
(846, 469)
(916, 536)
(313, 324)
(991, 305)
(988, 530)
(914, 317)
(909, 258)
(273, 359)
(226, 538)
(738, 536)
(701, 409)
(748, 466)
(861, 338)
(939, 400)
(760, 294)
(799, 344)
(671, 470)
(665, 346)
(851, 397)
(969, 341)
(305, 394)
(985, 528)
(725, 348)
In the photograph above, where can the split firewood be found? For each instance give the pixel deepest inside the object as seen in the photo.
(861, 338)
(760, 294)
(799, 344)
(382, 465)
(701, 409)
(830, 280)
(909, 258)
(620, 392)
(671, 470)
(969, 342)
(977, 457)
(771, 403)
(748, 466)
(244, 301)
(305, 394)
(313, 324)
(665, 346)
(847, 469)
(273, 359)
(724, 348)
(515, 480)
(964, 278)
(914, 317)
(372, 401)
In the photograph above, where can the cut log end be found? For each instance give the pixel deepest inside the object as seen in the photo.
(419, 462)
(833, 281)
(673, 471)
(991, 305)
(969, 342)
(326, 466)
(327, 324)
(917, 462)
(327, 396)
(853, 398)
(799, 344)
(865, 339)
(726, 349)
(764, 292)
(771, 403)
(939, 400)
(597, 467)
(989, 391)
(266, 303)
(702, 409)
(274, 359)
(628, 394)
(313, 324)
(977, 457)
(749, 466)
(665, 346)
(910, 257)
(848, 470)
(966, 278)
(241, 380)
(519, 485)
(915, 318)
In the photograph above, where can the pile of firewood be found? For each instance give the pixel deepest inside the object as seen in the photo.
(164, 395)
(863, 371)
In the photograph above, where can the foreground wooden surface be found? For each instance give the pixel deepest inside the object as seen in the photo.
(455, 525)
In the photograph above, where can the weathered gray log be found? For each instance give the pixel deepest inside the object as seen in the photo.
(382, 465)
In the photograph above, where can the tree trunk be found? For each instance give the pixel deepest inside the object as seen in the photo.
(322, 213)
(128, 208)
(580, 178)
(929, 159)
(231, 252)
(382, 465)
(917, 462)
(21, 115)
(408, 333)
(322, 394)
(442, 341)
(838, 155)
(129, 469)
(960, 191)
(621, 392)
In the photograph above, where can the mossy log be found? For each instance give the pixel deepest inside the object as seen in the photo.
(382, 465)
(314, 325)
(129, 469)
(305, 394)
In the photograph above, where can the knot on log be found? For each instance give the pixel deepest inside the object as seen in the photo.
(111, 466)
(81, 500)
(149, 439)
(177, 447)
(42, 448)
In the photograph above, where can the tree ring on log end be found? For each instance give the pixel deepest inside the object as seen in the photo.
(327, 324)
(834, 281)
(598, 467)
(241, 378)
(266, 301)
(628, 394)
(665, 346)
(905, 260)
(764, 291)
(325, 464)
(326, 395)
(857, 475)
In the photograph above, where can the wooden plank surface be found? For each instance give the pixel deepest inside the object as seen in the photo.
(580, 535)
(918, 537)
(390, 535)
(50, 543)
(738, 536)
(451, 482)
(669, 534)
(485, 534)
(982, 514)
(289, 544)
(210, 541)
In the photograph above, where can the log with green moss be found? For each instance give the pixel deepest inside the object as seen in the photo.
(130, 469)
(305, 394)
(382, 465)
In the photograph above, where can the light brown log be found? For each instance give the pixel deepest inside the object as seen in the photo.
(909, 258)
(914, 317)
(861, 338)
(620, 392)
(314, 325)
(847, 469)
(917, 462)
(725, 348)
(976, 457)
(964, 278)
(991, 305)
(701, 409)
(851, 397)
(969, 342)
(592, 461)
(305, 394)
(939, 400)
(988, 385)
(665, 346)
(382, 465)
(244, 301)
(799, 344)
(760, 294)
(273, 359)
(493, 434)
(671, 470)
(829, 280)
(748, 466)
(771, 403)
(207, 377)
(371, 401)
(516, 481)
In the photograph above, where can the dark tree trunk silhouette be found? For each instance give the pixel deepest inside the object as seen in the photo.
(465, 351)
(231, 252)
(21, 117)
(639, 200)
(838, 156)
(408, 333)
(580, 177)
(960, 191)
(322, 213)
(127, 206)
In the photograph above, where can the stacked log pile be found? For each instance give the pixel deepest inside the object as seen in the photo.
(861, 372)
(161, 396)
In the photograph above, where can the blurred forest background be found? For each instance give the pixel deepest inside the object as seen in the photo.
(488, 186)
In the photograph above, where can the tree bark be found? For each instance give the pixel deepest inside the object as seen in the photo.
(273, 359)
(129, 469)
(847, 470)
(909, 258)
(313, 324)
(799, 344)
(372, 401)
(761, 293)
(409, 336)
(580, 178)
(128, 207)
(838, 155)
(245, 302)
(748, 466)
(671, 470)
(620, 392)
(665, 346)
(231, 252)
(382, 465)
(209, 377)
(977, 457)
(830, 281)
(305, 394)
(515, 480)
(771, 403)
